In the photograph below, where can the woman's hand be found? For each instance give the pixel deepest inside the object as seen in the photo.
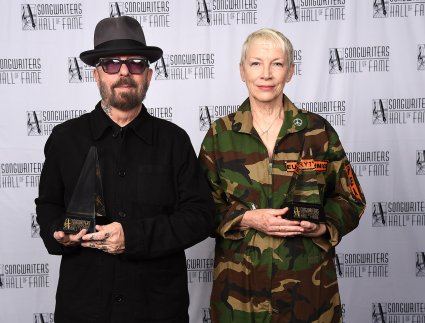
(312, 229)
(271, 222)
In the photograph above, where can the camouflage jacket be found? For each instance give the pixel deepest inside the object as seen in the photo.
(261, 278)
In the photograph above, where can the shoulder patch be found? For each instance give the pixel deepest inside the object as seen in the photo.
(353, 186)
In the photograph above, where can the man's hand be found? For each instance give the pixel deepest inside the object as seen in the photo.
(69, 240)
(108, 238)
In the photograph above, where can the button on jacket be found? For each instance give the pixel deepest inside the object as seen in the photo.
(153, 186)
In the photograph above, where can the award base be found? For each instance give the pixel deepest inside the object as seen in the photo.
(300, 211)
(75, 223)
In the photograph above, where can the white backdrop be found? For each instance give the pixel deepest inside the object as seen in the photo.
(360, 64)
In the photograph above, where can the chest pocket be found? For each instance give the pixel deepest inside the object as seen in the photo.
(155, 184)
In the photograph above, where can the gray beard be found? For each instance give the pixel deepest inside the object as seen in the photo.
(124, 101)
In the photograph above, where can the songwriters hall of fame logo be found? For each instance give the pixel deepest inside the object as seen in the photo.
(205, 118)
(336, 61)
(29, 17)
(206, 315)
(203, 12)
(42, 122)
(35, 228)
(199, 270)
(24, 275)
(333, 111)
(292, 9)
(52, 16)
(209, 113)
(420, 264)
(398, 8)
(398, 111)
(359, 59)
(420, 162)
(188, 66)
(370, 163)
(17, 175)
(398, 214)
(398, 312)
(21, 71)
(380, 111)
(313, 11)
(43, 318)
(421, 57)
(379, 313)
(165, 113)
(148, 13)
(79, 72)
(362, 265)
(161, 69)
(297, 62)
(34, 127)
(226, 13)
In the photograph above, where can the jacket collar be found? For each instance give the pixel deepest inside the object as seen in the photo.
(294, 119)
(142, 125)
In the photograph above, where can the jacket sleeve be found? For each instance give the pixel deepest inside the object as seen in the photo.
(344, 201)
(228, 212)
(50, 206)
(189, 223)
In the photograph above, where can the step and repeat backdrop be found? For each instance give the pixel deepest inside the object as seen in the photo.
(360, 64)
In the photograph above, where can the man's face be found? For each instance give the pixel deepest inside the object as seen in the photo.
(123, 90)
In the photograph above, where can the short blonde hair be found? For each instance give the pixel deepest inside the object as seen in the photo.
(275, 37)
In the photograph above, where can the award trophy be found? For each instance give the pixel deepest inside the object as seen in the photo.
(87, 205)
(305, 204)
(301, 211)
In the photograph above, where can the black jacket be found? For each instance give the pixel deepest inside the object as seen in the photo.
(153, 186)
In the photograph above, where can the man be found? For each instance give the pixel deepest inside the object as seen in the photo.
(156, 201)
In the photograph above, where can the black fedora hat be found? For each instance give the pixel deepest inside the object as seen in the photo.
(119, 36)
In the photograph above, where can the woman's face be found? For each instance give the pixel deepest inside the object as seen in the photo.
(265, 71)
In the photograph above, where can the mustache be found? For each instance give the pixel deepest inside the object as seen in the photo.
(125, 81)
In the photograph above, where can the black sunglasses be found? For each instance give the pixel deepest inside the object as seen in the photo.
(113, 65)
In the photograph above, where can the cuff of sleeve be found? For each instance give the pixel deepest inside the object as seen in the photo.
(229, 229)
(329, 240)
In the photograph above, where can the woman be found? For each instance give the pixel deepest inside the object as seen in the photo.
(261, 162)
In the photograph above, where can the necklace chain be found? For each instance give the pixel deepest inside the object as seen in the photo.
(263, 132)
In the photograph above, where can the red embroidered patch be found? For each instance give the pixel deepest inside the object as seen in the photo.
(306, 164)
(353, 186)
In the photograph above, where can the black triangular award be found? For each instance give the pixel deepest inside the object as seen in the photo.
(87, 203)
(304, 195)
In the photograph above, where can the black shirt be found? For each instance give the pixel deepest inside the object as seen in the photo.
(153, 186)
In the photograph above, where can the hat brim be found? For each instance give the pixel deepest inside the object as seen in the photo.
(91, 57)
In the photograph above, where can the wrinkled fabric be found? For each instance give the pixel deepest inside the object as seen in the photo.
(261, 278)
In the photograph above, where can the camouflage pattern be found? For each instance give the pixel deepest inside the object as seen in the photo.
(260, 278)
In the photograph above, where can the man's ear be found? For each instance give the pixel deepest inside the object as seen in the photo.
(96, 75)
